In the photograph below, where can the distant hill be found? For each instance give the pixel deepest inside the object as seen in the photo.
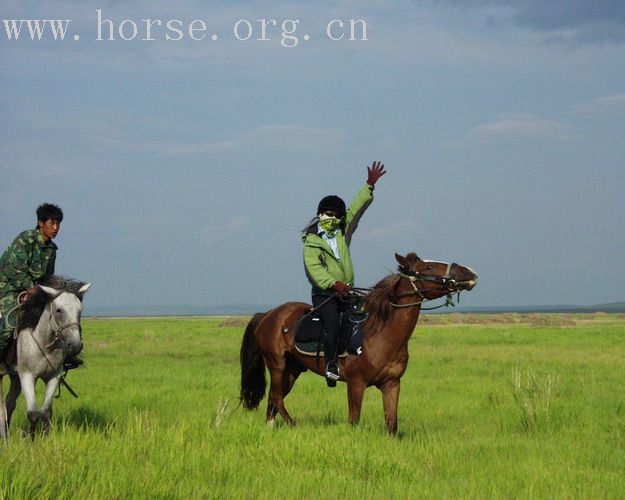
(612, 307)
(248, 309)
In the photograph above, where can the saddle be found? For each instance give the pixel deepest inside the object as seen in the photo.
(311, 332)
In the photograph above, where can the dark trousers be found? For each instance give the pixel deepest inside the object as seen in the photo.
(330, 314)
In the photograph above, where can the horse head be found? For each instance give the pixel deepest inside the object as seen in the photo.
(64, 309)
(431, 279)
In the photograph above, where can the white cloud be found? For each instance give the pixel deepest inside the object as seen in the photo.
(612, 104)
(214, 232)
(281, 137)
(513, 127)
(115, 132)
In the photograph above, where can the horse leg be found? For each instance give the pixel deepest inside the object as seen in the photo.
(355, 393)
(291, 372)
(46, 408)
(14, 391)
(28, 389)
(390, 398)
(275, 403)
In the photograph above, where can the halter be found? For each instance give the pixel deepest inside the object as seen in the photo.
(447, 283)
(57, 329)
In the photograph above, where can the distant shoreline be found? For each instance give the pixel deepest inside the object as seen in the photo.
(248, 310)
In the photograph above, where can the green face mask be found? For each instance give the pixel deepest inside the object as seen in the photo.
(329, 225)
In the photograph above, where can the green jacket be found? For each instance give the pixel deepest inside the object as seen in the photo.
(322, 267)
(27, 261)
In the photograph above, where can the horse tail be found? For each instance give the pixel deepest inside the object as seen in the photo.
(253, 383)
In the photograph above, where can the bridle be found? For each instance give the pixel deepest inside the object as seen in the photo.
(447, 283)
(58, 329)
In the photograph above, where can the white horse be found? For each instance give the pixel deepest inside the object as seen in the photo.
(48, 331)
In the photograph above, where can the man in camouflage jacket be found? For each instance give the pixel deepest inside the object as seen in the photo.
(28, 261)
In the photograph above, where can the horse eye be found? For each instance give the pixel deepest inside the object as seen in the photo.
(59, 310)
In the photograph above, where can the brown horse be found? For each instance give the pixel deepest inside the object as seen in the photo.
(393, 305)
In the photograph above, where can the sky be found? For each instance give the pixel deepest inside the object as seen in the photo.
(187, 168)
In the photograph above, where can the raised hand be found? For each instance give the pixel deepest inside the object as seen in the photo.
(374, 172)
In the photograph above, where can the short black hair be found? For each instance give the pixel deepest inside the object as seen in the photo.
(47, 211)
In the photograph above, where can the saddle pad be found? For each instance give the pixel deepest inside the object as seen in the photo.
(310, 332)
(312, 348)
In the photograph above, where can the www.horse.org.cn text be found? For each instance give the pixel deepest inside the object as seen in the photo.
(288, 32)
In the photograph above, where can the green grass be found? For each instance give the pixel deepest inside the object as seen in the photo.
(530, 406)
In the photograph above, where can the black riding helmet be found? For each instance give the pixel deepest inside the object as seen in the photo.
(332, 203)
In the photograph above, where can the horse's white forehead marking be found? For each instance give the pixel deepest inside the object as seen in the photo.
(68, 300)
(447, 264)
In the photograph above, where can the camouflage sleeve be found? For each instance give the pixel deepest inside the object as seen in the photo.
(50, 269)
(18, 269)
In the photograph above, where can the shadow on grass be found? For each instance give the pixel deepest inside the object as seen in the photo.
(85, 418)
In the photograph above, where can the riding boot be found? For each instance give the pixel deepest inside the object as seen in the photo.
(72, 361)
(332, 368)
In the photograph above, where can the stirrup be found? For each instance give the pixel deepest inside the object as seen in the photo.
(332, 374)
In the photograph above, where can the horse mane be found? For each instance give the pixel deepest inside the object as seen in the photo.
(378, 302)
(30, 311)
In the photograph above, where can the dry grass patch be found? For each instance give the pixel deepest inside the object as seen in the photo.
(469, 319)
(561, 320)
(532, 319)
(235, 322)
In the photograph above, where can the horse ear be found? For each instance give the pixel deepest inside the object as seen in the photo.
(52, 292)
(83, 289)
(402, 261)
(412, 257)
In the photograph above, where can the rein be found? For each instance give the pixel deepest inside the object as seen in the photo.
(61, 377)
(286, 329)
(448, 284)
(56, 330)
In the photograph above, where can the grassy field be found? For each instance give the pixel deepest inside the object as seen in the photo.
(504, 406)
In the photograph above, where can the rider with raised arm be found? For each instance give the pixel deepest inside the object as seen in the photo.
(328, 262)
